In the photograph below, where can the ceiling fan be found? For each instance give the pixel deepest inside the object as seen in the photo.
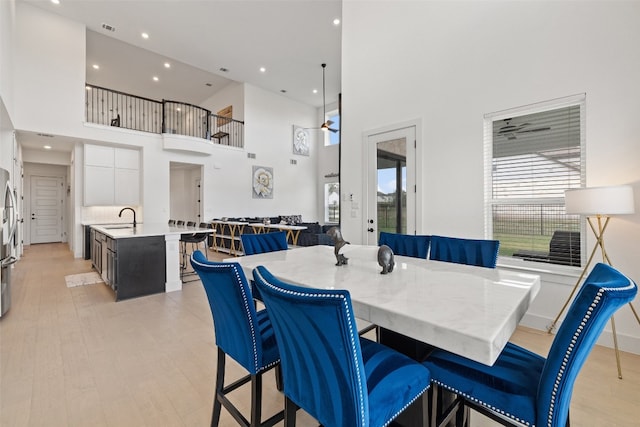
(326, 126)
(509, 130)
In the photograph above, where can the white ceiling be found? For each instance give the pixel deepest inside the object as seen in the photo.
(290, 38)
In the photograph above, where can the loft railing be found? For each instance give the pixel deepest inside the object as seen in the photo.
(112, 108)
(185, 119)
(226, 131)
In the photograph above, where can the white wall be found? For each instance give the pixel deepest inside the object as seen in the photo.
(232, 94)
(449, 63)
(7, 19)
(6, 139)
(49, 66)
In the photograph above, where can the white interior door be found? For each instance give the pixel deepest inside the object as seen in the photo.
(198, 199)
(391, 183)
(46, 209)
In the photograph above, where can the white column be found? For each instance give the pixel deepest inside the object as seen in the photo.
(173, 283)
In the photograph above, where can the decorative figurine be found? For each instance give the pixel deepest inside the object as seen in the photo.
(338, 243)
(385, 259)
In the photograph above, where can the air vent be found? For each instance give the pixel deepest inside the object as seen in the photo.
(109, 27)
(293, 161)
(251, 155)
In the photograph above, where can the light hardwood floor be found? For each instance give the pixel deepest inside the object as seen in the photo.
(74, 357)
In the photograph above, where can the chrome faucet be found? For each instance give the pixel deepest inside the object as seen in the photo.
(134, 215)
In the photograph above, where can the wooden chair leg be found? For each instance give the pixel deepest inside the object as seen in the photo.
(279, 384)
(217, 405)
(290, 409)
(256, 399)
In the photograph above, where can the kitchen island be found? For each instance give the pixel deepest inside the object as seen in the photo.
(141, 260)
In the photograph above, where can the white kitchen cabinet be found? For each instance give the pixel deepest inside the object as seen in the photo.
(99, 155)
(126, 159)
(98, 186)
(111, 176)
(127, 187)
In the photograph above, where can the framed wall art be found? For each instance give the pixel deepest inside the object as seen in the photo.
(262, 182)
(300, 141)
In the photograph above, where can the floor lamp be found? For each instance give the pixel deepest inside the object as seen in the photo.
(598, 204)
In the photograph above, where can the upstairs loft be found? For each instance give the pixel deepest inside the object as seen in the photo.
(113, 108)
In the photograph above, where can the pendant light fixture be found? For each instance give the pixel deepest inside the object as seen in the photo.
(325, 125)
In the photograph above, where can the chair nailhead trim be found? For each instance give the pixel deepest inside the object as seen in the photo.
(405, 407)
(480, 402)
(574, 340)
(353, 344)
(245, 301)
(564, 363)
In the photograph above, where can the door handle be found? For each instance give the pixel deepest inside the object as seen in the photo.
(8, 261)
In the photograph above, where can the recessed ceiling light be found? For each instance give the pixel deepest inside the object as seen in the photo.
(47, 147)
(262, 69)
(155, 78)
(55, 1)
(283, 90)
(208, 84)
(336, 21)
(96, 67)
(167, 65)
(224, 70)
(145, 35)
(315, 91)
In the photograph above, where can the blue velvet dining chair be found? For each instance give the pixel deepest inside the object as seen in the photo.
(481, 253)
(327, 370)
(522, 388)
(242, 333)
(265, 242)
(406, 244)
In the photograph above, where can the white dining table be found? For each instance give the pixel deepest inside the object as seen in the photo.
(467, 310)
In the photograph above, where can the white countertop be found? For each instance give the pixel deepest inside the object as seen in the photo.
(278, 226)
(471, 311)
(119, 231)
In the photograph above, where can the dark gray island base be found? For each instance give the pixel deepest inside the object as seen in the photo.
(138, 266)
(131, 267)
(140, 260)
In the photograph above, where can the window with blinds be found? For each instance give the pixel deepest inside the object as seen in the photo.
(533, 159)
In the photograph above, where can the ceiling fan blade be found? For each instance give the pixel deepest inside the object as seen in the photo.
(534, 130)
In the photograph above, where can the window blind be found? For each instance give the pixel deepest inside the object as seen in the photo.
(534, 159)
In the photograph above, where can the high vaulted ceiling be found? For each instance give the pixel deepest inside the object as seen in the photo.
(290, 39)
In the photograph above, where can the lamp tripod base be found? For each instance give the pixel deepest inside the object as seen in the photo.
(599, 233)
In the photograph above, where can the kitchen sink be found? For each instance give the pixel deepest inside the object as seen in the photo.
(117, 227)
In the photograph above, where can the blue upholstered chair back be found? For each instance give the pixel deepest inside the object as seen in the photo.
(406, 244)
(482, 253)
(604, 291)
(320, 350)
(265, 242)
(235, 319)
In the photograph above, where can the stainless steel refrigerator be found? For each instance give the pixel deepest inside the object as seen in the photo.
(7, 233)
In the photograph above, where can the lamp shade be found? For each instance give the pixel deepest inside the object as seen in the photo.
(614, 200)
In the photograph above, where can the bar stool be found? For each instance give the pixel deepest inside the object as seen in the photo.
(194, 239)
(242, 333)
